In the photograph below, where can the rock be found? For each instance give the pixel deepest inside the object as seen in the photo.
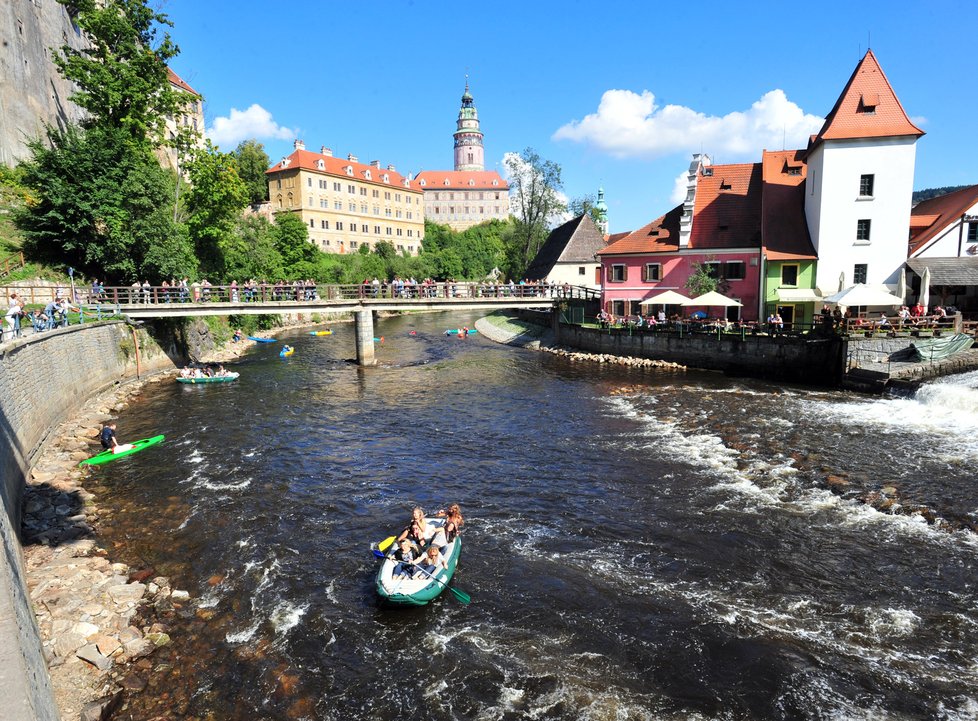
(141, 575)
(215, 579)
(139, 648)
(84, 629)
(130, 633)
(134, 683)
(836, 481)
(889, 490)
(102, 709)
(158, 639)
(67, 644)
(120, 569)
(126, 593)
(180, 596)
(107, 645)
(91, 654)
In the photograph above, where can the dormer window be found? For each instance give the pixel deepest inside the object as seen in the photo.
(868, 103)
(495, 182)
(321, 165)
(724, 185)
(471, 182)
(708, 172)
(367, 175)
(423, 183)
(387, 178)
(349, 170)
(446, 182)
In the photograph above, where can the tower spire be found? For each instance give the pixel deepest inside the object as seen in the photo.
(469, 153)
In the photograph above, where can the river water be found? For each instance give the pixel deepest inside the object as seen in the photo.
(638, 545)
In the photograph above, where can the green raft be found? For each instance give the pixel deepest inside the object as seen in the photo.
(210, 379)
(422, 590)
(107, 456)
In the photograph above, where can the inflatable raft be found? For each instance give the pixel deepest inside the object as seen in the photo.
(320, 332)
(210, 379)
(420, 590)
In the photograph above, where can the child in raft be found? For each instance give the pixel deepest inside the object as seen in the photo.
(406, 558)
(431, 561)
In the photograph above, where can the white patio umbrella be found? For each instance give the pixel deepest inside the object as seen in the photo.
(713, 298)
(902, 286)
(863, 294)
(667, 297)
(925, 288)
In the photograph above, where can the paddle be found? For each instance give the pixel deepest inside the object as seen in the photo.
(386, 543)
(462, 596)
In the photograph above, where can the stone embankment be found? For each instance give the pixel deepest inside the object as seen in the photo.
(613, 359)
(100, 622)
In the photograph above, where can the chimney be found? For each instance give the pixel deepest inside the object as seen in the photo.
(375, 164)
(352, 158)
(390, 168)
(299, 145)
(328, 152)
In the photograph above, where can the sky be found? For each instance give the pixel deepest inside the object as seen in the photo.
(619, 94)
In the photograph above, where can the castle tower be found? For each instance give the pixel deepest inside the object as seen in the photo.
(601, 212)
(469, 153)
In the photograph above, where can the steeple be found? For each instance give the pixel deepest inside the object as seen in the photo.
(601, 212)
(469, 153)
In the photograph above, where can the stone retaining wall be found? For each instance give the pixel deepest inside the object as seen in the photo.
(815, 361)
(43, 379)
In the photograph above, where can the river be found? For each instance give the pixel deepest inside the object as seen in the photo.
(638, 544)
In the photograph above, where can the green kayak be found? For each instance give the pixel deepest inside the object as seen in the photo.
(210, 379)
(107, 456)
(423, 589)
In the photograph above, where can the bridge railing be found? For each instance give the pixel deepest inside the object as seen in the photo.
(283, 292)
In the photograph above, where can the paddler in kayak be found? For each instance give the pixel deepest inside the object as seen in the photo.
(109, 441)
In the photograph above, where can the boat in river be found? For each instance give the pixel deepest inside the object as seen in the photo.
(108, 455)
(286, 351)
(320, 332)
(226, 378)
(261, 340)
(422, 588)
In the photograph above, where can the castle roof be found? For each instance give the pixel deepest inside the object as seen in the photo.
(784, 227)
(929, 217)
(301, 159)
(461, 180)
(867, 108)
(576, 241)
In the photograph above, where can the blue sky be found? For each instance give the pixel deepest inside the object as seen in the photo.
(618, 93)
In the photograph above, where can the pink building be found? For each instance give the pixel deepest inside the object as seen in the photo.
(718, 225)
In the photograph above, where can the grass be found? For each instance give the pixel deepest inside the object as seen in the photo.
(517, 327)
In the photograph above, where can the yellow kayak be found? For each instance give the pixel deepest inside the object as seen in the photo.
(320, 332)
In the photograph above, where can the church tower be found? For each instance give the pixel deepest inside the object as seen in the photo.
(469, 153)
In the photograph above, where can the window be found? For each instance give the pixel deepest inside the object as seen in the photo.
(363, 191)
(353, 207)
(789, 275)
(617, 274)
(351, 189)
(338, 204)
(653, 272)
(860, 272)
(397, 197)
(734, 270)
(866, 186)
(973, 232)
(712, 268)
(278, 184)
(364, 228)
(388, 230)
(375, 193)
(618, 307)
(337, 187)
(353, 244)
(399, 231)
(862, 230)
(387, 195)
(309, 182)
(312, 223)
(581, 270)
(410, 233)
(324, 224)
(310, 201)
(376, 230)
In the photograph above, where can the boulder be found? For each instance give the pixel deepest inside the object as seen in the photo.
(90, 653)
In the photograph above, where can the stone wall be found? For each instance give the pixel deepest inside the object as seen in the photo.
(44, 379)
(818, 361)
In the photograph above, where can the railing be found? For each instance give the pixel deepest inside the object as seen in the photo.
(11, 263)
(282, 292)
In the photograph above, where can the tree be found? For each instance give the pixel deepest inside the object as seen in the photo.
(252, 251)
(534, 184)
(122, 77)
(100, 202)
(704, 280)
(214, 202)
(253, 161)
(292, 241)
(581, 205)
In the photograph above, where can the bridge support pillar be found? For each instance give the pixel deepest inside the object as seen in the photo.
(364, 320)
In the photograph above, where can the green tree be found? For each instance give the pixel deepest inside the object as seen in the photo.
(534, 186)
(581, 205)
(253, 161)
(214, 203)
(100, 202)
(121, 77)
(252, 251)
(703, 279)
(292, 242)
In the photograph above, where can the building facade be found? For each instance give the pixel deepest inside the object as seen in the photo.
(345, 204)
(191, 121)
(469, 194)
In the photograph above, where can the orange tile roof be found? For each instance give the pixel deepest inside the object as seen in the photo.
(459, 180)
(867, 108)
(659, 236)
(784, 227)
(615, 237)
(179, 82)
(308, 160)
(727, 209)
(941, 211)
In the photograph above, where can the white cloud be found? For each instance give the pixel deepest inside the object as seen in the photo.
(629, 125)
(255, 122)
(513, 166)
(919, 120)
(679, 187)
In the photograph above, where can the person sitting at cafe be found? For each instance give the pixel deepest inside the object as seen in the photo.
(882, 321)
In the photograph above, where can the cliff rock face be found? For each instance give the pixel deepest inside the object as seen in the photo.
(32, 93)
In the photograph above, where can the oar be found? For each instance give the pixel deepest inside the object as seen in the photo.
(386, 543)
(460, 595)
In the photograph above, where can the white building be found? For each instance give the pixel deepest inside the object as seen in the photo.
(860, 184)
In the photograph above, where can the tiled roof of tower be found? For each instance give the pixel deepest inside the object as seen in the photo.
(576, 241)
(940, 211)
(867, 108)
(727, 210)
(784, 228)
(461, 180)
(179, 82)
(308, 160)
(659, 236)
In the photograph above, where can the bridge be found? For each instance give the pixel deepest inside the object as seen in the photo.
(361, 300)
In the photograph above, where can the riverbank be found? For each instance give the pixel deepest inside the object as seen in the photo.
(103, 625)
